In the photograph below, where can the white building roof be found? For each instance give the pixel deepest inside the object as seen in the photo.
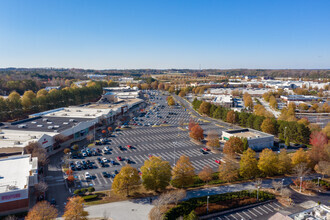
(15, 172)
(79, 112)
(20, 138)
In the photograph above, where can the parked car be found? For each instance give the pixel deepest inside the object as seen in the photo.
(87, 176)
(218, 161)
(206, 149)
(105, 174)
(104, 160)
(119, 158)
(53, 201)
(129, 146)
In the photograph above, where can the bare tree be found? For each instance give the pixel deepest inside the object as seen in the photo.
(11, 217)
(286, 193)
(258, 183)
(301, 170)
(323, 167)
(41, 187)
(276, 185)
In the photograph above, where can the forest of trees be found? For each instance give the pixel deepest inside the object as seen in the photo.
(291, 130)
(18, 107)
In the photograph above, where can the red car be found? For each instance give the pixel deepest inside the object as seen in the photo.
(206, 149)
(164, 122)
(150, 155)
(129, 146)
(119, 158)
(218, 161)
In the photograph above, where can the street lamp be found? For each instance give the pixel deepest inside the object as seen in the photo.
(318, 181)
(300, 183)
(282, 186)
(258, 193)
(207, 204)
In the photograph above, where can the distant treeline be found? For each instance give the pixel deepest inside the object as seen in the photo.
(81, 73)
(17, 107)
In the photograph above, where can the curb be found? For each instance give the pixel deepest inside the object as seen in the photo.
(235, 209)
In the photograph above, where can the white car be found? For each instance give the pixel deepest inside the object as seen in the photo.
(105, 160)
(87, 176)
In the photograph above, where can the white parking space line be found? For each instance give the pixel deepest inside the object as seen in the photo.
(240, 215)
(226, 217)
(268, 208)
(277, 205)
(262, 209)
(258, 211)
(252, 213)
(245, 213)
(233, 216)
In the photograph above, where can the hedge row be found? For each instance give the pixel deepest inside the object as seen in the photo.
(90, 197)
(184, 208)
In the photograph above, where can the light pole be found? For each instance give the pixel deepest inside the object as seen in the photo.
(300, 183)
(258, 193)
(207, 204)
(318, 181)
(282, 186)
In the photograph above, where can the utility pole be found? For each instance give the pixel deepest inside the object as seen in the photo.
(300, 183)
(207, 204)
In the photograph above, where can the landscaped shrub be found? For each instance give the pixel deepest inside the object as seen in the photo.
(323, 183)
(83, 190)
(217, 202)
(90, 197)
(91, 189)
(77, 192)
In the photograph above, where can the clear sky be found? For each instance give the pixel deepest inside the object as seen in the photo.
(165, 34)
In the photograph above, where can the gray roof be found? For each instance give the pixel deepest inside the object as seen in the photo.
(43, 124)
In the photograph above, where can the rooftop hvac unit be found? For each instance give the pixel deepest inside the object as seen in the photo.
(53, 114)
(2, 137)
(22, 126)
(64, 114)
(33, 122)
(50, 127)
(94, 115)
(34, 137)
(17, 142)
(67, 110)
(78, 110)
(55, 131)
(65, 123)
(99, 110)
(45, 119)
(39, 126)
(86, 114)
(49, 123)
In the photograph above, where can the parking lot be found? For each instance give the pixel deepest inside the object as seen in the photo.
(135, 144)
(258, 212)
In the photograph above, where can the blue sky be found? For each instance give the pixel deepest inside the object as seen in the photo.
(165, 34)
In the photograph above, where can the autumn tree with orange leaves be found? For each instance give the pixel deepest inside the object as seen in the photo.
(197, 133)
(42, 211)
(74, 209)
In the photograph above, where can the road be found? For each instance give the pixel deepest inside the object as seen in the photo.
(268, 108)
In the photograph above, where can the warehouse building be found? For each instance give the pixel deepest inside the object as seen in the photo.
(18, 175)
(257, 140)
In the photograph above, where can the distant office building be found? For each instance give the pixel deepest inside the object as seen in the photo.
(303, 98)
(96, 76)
(224, 100)
(257, 140)
(48, 88)
(18, 175)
